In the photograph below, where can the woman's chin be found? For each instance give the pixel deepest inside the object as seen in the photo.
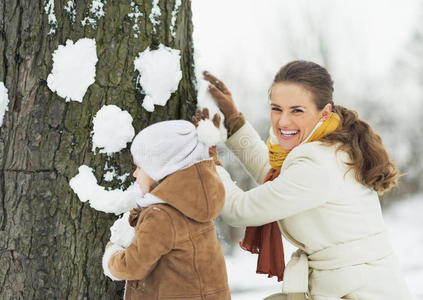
(287, 146)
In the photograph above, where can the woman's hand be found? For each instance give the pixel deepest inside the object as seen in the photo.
(222, 96)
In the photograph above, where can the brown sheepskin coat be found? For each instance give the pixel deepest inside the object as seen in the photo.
(176, 253)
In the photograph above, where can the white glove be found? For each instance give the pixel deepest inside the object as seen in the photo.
(111, 250)
(122, 233)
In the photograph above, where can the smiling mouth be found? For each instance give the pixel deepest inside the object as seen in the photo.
(287, 134)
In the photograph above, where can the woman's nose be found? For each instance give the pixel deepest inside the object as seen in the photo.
(283, 120)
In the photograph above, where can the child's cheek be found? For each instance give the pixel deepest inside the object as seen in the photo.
(140, 185)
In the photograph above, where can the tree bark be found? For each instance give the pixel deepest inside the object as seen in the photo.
(51, 243)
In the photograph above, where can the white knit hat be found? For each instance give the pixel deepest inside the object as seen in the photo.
(166, 147)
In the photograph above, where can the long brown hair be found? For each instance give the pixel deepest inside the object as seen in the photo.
(368, 157)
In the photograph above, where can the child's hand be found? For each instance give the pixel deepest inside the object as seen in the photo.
(122, 233)
(204, 115)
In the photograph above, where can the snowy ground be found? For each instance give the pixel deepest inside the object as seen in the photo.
(405, 224)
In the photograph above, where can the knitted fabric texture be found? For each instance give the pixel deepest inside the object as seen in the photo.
(166, 147)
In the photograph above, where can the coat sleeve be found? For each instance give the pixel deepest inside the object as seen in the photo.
(246, 144)
(304, 183)
(154, 237)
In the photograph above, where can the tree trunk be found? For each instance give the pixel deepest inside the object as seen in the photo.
(51, 243)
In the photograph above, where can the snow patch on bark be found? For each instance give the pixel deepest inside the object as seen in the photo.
(174, 17)
(112, 129)
(134, 16)
(71, 9)
(155, 14)
(109, 175)
(52, 21)
(160, 73)
(112, 173)
(96, 12)
(73, 69)
(116, 201)
(4, 102)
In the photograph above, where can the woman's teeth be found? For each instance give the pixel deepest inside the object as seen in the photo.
(289, 133)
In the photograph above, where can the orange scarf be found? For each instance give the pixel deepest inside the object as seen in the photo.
(266, 240)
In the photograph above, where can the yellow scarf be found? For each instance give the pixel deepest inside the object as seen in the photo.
(277, 155)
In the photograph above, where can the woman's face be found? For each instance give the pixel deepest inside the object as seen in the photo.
(144, 181)
(294, 113)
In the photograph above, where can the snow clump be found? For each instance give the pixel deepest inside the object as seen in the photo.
(4, 102)
(204, 99)
(160, 73)
(73, 69)
(112, 129)
(117, 201)
(207, 133)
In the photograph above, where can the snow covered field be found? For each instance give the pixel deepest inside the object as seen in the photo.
(405, 224)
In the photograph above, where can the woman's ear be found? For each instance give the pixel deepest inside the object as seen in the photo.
(326, 111)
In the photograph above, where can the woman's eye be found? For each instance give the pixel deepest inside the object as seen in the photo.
(276, 109)
(297, 111)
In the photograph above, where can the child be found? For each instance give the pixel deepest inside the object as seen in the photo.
(175, 253)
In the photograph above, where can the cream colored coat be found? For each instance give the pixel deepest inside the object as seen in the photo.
(335, 221)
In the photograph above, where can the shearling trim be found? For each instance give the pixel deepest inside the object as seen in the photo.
(149, 199)
(110, 251)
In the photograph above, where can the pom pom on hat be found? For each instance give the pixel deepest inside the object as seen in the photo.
(207, 133)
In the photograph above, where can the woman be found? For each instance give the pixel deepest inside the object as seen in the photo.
(327, 168)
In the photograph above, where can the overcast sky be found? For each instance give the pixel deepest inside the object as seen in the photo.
(245, 42)
(372, 31)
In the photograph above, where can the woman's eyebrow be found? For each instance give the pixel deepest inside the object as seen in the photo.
(291, 107)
